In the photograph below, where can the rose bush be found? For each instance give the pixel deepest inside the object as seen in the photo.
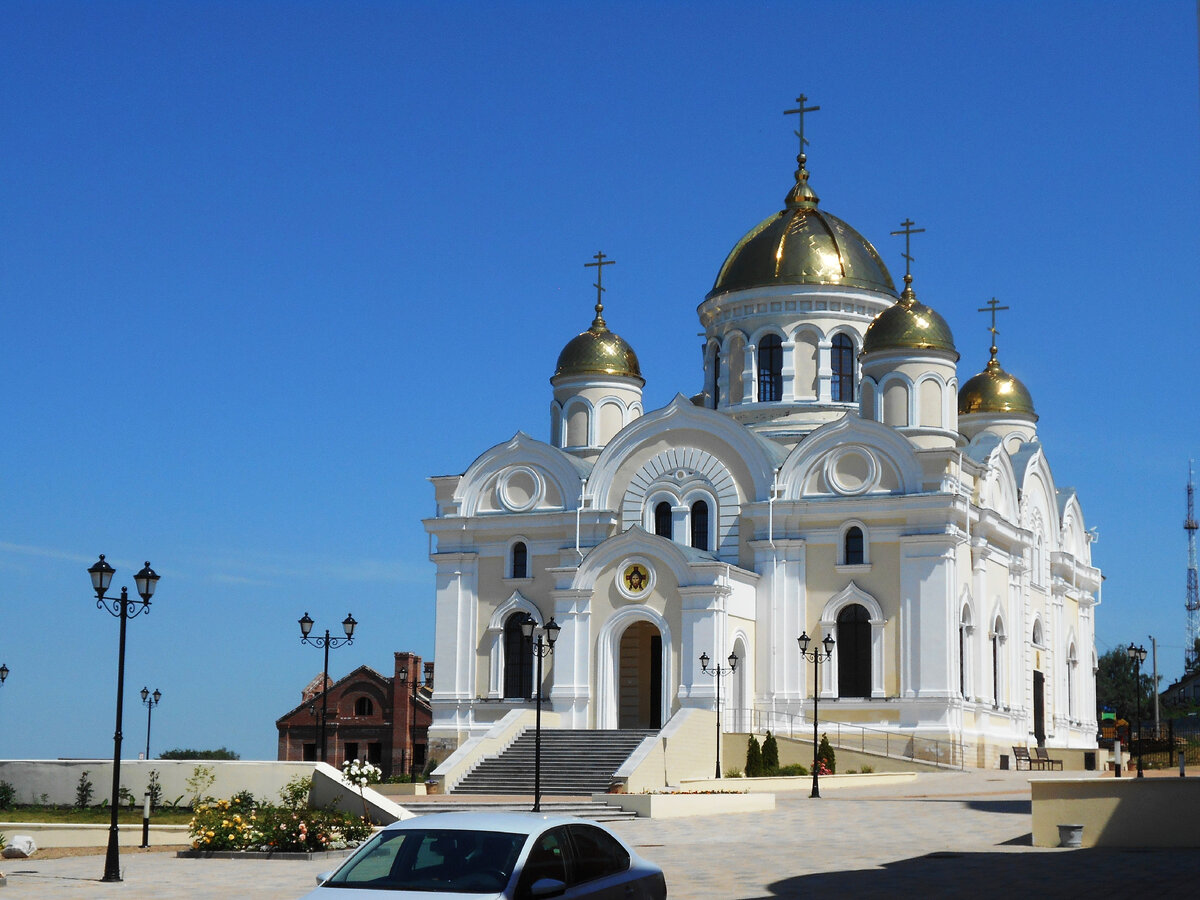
(226, 825)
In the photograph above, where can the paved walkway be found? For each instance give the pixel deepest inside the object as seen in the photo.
(944, 835)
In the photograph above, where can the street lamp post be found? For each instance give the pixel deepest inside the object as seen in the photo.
(325, 643)
(716, 672)
(1137, 655)
(540, 649)
(123, 609)
(412, 720)
(817, 656)
(151, 701)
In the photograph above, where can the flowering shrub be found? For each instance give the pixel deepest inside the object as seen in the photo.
(226, 825)
(360, 774)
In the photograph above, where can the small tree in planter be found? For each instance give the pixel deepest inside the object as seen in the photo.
(360, 774)
(754, 761)
(770, 755)
(826, 755)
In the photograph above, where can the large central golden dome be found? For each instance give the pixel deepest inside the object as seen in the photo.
(803, 245)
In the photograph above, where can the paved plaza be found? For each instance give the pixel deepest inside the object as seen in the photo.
(944, 835)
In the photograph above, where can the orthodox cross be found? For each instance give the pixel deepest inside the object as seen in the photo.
(908, 232)
(800, 111)
(599, 265)
(993, 307)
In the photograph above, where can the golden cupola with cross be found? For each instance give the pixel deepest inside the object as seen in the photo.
(909, 367)
(996, 401)
(597, 383)
(785, 319)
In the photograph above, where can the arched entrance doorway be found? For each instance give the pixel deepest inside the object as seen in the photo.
(639, 675)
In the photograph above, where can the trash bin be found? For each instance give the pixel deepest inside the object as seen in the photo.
(1004, 760)
(1089, 760)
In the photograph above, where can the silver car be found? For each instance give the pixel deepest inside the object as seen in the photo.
(518, 856)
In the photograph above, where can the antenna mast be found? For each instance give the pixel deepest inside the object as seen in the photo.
(1193, 583)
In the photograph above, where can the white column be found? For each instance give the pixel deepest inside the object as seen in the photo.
(750, 374)
(789, 370)
(824, 371)
(571, 662)
(927, 589)
(456, 618)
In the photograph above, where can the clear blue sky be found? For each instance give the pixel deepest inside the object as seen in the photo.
(267, 266)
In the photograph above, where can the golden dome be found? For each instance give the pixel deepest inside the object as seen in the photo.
(908, 325)
(995, 391)
(598, 351)
(803, 245)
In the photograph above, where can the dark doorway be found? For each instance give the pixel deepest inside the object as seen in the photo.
(1039, 708)
(853, 652)
(640, 672)
(518, 656)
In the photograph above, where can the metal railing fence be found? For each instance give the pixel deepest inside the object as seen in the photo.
(843, 735)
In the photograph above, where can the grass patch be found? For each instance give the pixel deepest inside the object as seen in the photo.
(92, 815)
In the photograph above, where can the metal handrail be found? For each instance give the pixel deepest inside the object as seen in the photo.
(948, 753)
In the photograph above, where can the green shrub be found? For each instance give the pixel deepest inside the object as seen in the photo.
(867, 770)
(770, 755)
(793, 769)
(732, 773)
(83, 791)
(219, 753)
(754, 766)
(201, 780)
(154, 789)
(3, 840)
(826, 755)
(295, 793)
(8, 796)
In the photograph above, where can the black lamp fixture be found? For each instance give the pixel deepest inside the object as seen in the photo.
(3, 673)
(1137, 656)
(150, 701)
(325, 643)
(124, 609)
(716, 672)
(816, 656)
(541, 648)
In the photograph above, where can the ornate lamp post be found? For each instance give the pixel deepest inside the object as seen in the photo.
(716, 672)
(123, 609)
(817, 656)
(540, 649)
(412, 719)
(1137, 656)
(325, 643)
(150, 701)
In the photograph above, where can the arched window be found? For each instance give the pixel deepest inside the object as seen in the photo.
(1071, 663)
(518, 659)
(770, 368)
(842, 363)
(364, 707)
(1037, 633)
(520, 560)
(854, 651)
(716, 393)
(853, 547)
(700, 525)
(964, 630)
(662, 520)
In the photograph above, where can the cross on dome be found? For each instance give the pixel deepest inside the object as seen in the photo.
(993, 307)
(800, 111)
(908, 231)
(598, 265)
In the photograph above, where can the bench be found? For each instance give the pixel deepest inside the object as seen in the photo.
(1043, 756)
(1021, 755)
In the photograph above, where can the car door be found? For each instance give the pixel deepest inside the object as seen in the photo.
(599, 866)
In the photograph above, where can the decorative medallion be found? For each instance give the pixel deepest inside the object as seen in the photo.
(851, 471)
(636, 579)
(520, 488)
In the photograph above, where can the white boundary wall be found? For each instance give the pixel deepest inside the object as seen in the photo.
(57, 779)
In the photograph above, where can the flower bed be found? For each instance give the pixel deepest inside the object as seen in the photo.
(227, 825)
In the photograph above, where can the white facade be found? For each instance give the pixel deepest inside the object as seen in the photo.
(953, 573)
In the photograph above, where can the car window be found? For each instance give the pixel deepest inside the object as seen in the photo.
(547, 859)
(597, 853)
(434, 859)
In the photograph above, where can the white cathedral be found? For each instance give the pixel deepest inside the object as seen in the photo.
(830, 479)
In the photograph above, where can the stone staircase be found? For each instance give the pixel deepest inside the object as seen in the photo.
(583, 809)
(574, 763)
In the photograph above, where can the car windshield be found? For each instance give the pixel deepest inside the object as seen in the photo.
(433, 859)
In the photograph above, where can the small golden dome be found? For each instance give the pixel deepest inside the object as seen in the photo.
(995, 391)
(908, 325)
(598, 351)
(803, 245)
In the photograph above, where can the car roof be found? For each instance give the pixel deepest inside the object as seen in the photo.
(510, 822)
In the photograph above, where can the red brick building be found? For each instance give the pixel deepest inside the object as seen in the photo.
(379, 718)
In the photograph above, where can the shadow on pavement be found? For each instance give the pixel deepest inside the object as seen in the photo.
(1101, 871)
